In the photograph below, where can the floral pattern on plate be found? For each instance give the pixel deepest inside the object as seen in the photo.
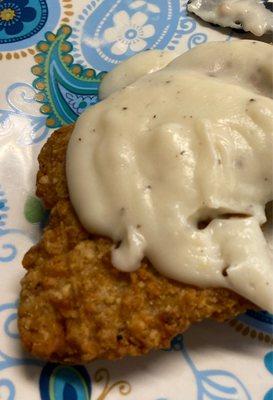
(24, 22)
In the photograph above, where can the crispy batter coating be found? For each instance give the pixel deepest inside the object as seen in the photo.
(76, 307)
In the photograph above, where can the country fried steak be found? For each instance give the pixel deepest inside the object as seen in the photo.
(75, 307)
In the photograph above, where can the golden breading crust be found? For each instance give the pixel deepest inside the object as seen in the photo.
(75, 307)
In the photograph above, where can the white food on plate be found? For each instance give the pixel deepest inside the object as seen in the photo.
(249, 15)
(177, 167)
(135, 67)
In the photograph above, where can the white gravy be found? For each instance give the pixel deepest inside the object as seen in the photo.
(250, 15)
(177, 167)
(135, 67)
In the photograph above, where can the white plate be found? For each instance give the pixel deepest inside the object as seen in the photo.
(231, 361)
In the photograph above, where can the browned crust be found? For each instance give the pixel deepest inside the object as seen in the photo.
(75, 307)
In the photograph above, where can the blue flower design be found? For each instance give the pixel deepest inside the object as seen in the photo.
(13, 15)
(129, 32)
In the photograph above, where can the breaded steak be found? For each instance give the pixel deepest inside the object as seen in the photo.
(76, 307)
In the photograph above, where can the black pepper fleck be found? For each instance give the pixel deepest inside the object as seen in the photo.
(138, 226)
(124, 108)
(154, 116)
(252, 100)
(80, 139)
(119, 337)
(149, 187)
(94, 130)
(265, 179)
(182, 152)
(219, 161)
(168, 81)
(239, 163)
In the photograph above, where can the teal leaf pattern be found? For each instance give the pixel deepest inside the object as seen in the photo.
(268, 362)
(59, 382)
